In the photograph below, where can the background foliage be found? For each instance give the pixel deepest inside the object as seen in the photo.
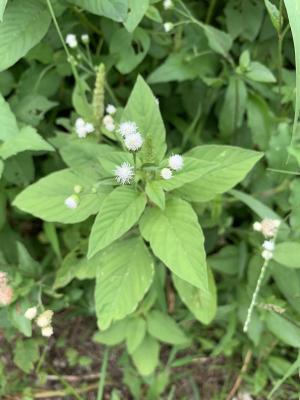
(225, 75)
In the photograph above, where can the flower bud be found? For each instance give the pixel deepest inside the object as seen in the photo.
(30, 313)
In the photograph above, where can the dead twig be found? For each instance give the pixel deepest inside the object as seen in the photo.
(239, 379)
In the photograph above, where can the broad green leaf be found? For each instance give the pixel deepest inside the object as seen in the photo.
(129, 48)
(203, 305)
(146, 356)
(3, 4)
(260, 73)
(233, 165)
(274, 15)
(283, 329)
(80, 102)
(77, 265)
(293, 11)
(52, 236)
(218, 41)
(26, 353)
(177, 239)
(164, 328)
(226, 260)
(234, 106)
(290, 287)
(113, 9)
(26, 139)
(135, 333)
(288, 254)
(24, 25)
(193, 169)
(156, 193)
(142, 108)
(45, 198)
(123, 277)
(115, 334)
(119, 212)
(8, 123)
(137, 9)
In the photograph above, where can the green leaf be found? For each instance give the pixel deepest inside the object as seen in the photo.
(193, 169)
(137, 11)
(260, 73)
(1, 168)
(156, 193)
(80, 102)
(177, 239)
(293, 11)
(26, 139)
(290, 287)
(274, 15)
(218, 41)
(8, 122)
(287, 254)
(142, 108)
(26, 353)
(165, 329)
(129, 48)
(234, 106)
(123, 277)
(203, 305)
(283, 329)
(135, 333)
(119, 212)
(23, 26)
(146, 356)
(45, 198)
(77, 265)
(233, 165)
(114, 335)
(113, 9)
(3, 4)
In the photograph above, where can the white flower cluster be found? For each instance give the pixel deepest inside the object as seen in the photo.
(6, 291)
(83, 128)
(108, 121)
(124, 173)
(168, 4)
(72, 41)
(132, 138)
(175, 163)
(43, 321)
(72, 201)
(168, 26)
(269, 228)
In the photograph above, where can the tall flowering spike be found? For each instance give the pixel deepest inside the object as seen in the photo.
(72, 201)
(71, 40)
(124, 173)
(44, 319)
(166, 173)
(98, 95)
(134, 141)
(127, 128)
(30, 313)
(176, 162)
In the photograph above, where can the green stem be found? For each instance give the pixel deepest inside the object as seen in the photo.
(103, 375)
(210, 11)
(255, 294)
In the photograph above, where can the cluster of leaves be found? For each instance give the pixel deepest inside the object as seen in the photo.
(225, 80)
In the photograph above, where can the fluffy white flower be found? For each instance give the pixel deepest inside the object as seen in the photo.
(124, 173)
(168, 4)
(127, 128)
(44, 319)
(85, 38)
(47, 331)
(30, 313)
(269, 245)
(72, 201)
(166, 173)
(6, 295)
(71, 40)
(89, 127)
(267, 255)
(176, 162)
(134, 141)
(110, 109)
(269, 227)
(109, 123)
(168, 26)
(257, 226)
